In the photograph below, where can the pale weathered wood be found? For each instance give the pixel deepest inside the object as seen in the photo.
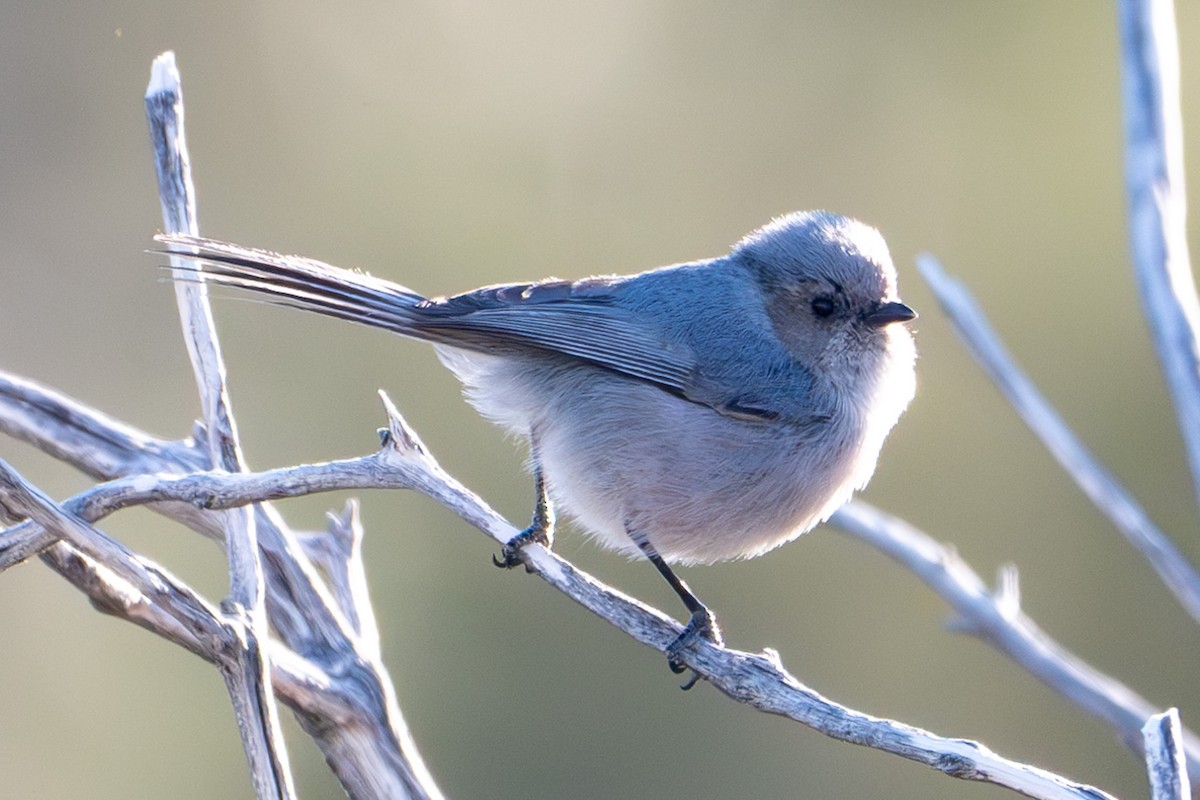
(352, 712)
(1165, 762)
(758, 680)
(1157, 204)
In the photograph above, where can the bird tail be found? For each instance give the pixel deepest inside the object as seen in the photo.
(297, 282)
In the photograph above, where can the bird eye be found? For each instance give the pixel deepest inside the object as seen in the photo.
(822, 305)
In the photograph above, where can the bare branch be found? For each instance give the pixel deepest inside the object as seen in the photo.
(369, 749)
(138, 589)
(1164, 757)
(112, 595)
(375, 756)
(338, 552)
(89, 440)
(404, 463)
(370, 764)
(366, 742)
(1157, 200)
(317, 626)
(1100, 485)
(999, 621)
(249, 682)
(757, 680)
(760, 681)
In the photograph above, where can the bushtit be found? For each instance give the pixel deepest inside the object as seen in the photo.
(694, 413)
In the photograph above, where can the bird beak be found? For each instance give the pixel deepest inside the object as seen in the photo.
(887, 313)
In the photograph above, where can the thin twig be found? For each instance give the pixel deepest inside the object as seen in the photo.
(338, 552)
(133, 588)
(89, 440)
(1157, 201)
(146, 588)
(998, 619)
(757, 680)
(405, 463)
(249, 681)
(344, 698)
(1100, 485)
(375, 757)
(1164, 757)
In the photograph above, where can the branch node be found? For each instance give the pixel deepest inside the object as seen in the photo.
(399, 438)
(345, 527)
(772, 657)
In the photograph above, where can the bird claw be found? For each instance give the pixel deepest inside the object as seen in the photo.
(702, 625)
(510, 552)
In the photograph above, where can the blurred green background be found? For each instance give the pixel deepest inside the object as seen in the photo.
(450, 144)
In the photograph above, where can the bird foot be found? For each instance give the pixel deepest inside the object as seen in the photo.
(510, 553)
(702, 625)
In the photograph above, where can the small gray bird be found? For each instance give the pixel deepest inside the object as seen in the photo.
(694, 413)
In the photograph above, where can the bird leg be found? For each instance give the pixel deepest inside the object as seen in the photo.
(541, 527)
(702, 623)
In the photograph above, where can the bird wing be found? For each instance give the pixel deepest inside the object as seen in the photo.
(578, 319)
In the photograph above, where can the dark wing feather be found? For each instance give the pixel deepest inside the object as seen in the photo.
(578, 319)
